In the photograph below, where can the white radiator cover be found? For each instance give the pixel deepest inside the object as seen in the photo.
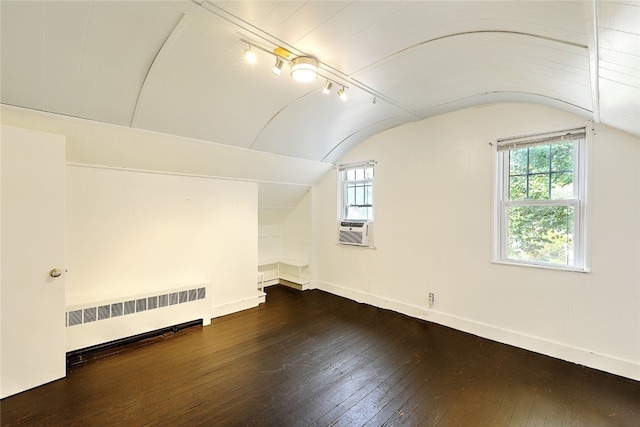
(93, 322)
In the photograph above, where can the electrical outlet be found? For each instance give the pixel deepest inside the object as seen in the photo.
(432, 298)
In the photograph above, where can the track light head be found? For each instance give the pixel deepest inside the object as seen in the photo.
(304, 69)
(327, 88)
(277, 67)
(342, 94)
(250, 55)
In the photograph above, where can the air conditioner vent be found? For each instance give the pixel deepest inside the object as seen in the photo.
(356, 233)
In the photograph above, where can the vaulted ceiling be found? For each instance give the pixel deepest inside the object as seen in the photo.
(177, 67)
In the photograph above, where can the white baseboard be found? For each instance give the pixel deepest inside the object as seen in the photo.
(581, 356)
(262, 297)
(293, 285)
(271, 282)
(238, 305)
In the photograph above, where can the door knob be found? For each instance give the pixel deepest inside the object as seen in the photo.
(56, 272)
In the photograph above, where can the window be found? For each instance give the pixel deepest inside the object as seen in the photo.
(356, 191)
(540, 200)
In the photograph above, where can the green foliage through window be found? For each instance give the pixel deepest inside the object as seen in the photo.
(541, 173)
(541, 233)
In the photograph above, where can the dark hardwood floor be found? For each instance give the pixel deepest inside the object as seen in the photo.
(314, 359)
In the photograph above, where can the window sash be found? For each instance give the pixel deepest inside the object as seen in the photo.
(576, 256)
(530, 178)
(577, 172)
(351, 197)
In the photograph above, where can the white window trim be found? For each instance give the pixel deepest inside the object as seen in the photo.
(501, 202)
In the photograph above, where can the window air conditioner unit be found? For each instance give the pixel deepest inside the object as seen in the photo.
(355, 233)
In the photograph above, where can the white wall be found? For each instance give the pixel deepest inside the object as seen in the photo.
(296, 231)
(433, 210)
(277, 201)
(269, 243)
(94, 143)
(133, 232)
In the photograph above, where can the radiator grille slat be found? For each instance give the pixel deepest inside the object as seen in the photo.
(116, 309)
(173, 298)
(163, 300)
(129, 307)
(152, 303)
(104, 312)
(75, 317)
(89, 315)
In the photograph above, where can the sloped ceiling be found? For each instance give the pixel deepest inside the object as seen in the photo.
(176, 67)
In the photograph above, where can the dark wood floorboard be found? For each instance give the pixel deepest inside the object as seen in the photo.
(315, 359)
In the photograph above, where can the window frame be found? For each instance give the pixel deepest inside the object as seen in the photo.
(343, 184)
(502, 203)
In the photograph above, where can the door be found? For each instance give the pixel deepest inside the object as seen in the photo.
(32, 299)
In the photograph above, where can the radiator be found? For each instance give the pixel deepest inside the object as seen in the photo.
(91, 323)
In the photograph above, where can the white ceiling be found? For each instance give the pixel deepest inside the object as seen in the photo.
(177, 67)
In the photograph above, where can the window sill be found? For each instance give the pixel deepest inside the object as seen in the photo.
(356, 246)
(542, 266)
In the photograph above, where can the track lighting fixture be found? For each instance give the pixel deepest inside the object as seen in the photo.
(342, 94)
(250, 55)
(303, 68)
(327, 88)
(278, 67)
